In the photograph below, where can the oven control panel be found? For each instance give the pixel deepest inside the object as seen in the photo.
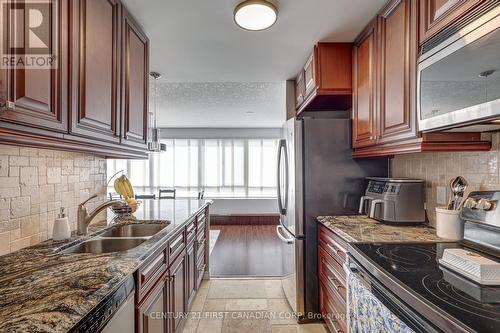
(482, 207)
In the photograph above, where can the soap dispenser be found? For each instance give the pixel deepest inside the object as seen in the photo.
(61, 229)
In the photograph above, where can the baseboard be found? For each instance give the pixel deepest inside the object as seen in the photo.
(238, 219)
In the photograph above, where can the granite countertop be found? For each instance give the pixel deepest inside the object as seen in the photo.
(359, 228)
(43, 290)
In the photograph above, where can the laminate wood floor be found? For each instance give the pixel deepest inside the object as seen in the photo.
(247, 251)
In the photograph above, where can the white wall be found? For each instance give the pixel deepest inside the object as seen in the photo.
(244, 206)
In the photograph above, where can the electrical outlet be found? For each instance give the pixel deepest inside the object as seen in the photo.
(441, 195)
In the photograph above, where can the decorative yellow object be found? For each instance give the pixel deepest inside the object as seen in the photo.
(133, 204)
(123, 187)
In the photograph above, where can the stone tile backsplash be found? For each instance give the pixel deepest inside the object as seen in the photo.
(36, 183)
(481, 169)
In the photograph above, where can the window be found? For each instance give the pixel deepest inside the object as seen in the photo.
(221, 167)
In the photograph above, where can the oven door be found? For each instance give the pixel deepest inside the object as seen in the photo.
(459, 79)
(373, 308)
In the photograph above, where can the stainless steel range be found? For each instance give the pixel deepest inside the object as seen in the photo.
(407, 285)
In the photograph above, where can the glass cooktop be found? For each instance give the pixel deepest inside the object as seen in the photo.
(416, 268)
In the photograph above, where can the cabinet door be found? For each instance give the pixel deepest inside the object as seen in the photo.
(200, 261)
(191, 274)
(95, 69)
(398, 60)
(435, 15)
(299, 89)
(364, 109)
(310, 74)
(177, 288)
(35, 83)
(148, 319)
(135, 46)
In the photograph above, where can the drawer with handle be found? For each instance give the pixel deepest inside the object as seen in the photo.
(190, 231)
(333, 310)
(333, 244)
(149, 273)
(200, 227)
(332, 274)
(176, 245)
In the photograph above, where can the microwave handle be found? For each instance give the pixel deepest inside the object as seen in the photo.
(362, 203)
(373, 206)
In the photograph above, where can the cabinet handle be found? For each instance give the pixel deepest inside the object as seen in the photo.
(334, 282)
(202, 268)
(168, 278)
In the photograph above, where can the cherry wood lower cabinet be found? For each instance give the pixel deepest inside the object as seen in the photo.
(167, 282)
(177, 301)
(332, 254)
(151, 310)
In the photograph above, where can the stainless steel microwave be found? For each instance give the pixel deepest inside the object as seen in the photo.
(459, 79)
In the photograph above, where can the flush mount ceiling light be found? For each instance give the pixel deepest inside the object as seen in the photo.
(255, 15)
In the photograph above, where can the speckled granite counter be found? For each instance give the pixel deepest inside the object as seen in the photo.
(43, 290)
(359, 228)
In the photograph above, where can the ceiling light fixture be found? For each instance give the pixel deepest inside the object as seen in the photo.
(255, 15)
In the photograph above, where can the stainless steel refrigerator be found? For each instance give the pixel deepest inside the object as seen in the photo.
(316, 176)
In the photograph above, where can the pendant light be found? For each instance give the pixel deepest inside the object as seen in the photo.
(154, 145)
(255, 15)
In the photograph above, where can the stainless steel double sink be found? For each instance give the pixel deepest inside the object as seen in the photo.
(117, 239)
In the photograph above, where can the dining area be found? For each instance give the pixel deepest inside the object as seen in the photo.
(161, 194)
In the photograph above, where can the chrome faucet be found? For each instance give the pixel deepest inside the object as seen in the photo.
(84, 219)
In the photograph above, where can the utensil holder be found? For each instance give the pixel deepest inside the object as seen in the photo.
(449, 225)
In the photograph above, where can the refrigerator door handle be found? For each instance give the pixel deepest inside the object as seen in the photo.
(282, 148)
(281, 231)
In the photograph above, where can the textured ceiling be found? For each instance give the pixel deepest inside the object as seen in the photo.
(197, 40)
(226, 104)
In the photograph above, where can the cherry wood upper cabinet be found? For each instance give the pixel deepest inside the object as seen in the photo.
(34, 95)
(435, 15)
(135, 62)
(384, 99)
(398, 51)
(310, 73)
(364, 106)
(95, 69)
(300, 89)
(326, 79)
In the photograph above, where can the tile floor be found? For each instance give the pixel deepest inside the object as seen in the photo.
(244, 306)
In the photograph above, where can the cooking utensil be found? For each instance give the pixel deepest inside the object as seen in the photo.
(458, 187)
(450, 200)
(466, 195)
